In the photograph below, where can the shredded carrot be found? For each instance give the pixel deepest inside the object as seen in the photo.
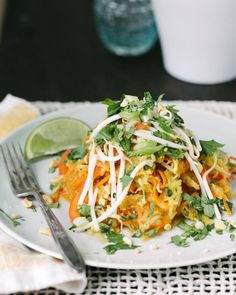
(154, 181)
(73, 209)
(61, 166)
(141, 126)
(56, 196)
(163, 177)
(101, 182)
(78, 181)
(186, 166)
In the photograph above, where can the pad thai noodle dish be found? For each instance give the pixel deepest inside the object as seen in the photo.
(142, 172)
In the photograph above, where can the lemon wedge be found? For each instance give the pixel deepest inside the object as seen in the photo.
(14, 112)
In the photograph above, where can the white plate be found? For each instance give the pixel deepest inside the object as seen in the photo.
(205, 125)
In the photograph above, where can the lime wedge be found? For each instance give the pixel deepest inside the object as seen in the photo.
(54, 136)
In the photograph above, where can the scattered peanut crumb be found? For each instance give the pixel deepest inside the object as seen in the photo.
(205, 251)
(102, 201)
(167, 227)
(219, 224)
(14, 216)
(56, 179)
(199, 225)
(154, 247)
(45, 231)
(47, 199)
(27, 203)
(127, 240)
(54, 164)
(138, 250)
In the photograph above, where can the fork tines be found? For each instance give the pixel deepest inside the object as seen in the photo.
(20, 174)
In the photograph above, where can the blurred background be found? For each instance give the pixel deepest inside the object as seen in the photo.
(55, 50)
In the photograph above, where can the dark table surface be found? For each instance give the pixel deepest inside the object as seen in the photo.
(49, 50)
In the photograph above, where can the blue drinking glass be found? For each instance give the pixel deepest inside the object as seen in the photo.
(126, 27)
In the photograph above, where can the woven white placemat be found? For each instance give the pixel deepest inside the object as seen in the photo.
(216, 277)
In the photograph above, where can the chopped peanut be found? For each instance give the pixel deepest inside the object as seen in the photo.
(45, 231)
(47, 199)
(167, 227)
(138, 250)
(27, 203)
(154, 247)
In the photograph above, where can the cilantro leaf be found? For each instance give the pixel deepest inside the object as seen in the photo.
(149, 102)
(144, 148)
(113, 248)
(164, 124)
(174, 154)
(162, 135)
(200, 204)
(192, 231)
(189, 230)
(104, 135)
(179, 241)
(130, 116)
(193, 201)
(116, 240)
(77, 153)
(126, 144)
(176, 118)
(84, 210)
(208, 210)
(113, 106)
(209, 147)
(125, 180)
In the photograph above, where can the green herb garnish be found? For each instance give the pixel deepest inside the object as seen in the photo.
(189, 230)
(209, 147)
(179, 241)
(178, 121)
(15, 221)
(84, 210)
(77, 153)
(145, 148)
(113, 106)
(163, 135)
(116, 240)
(201, 204)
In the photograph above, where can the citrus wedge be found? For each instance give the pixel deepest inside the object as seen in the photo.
(54, 136)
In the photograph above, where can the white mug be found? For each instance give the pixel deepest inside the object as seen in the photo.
(198, 39)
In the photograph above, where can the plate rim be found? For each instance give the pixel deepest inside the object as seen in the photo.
(91, 262)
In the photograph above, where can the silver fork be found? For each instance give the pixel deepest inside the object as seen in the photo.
(24, 183)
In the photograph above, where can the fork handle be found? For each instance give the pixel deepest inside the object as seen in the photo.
(67, 247)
